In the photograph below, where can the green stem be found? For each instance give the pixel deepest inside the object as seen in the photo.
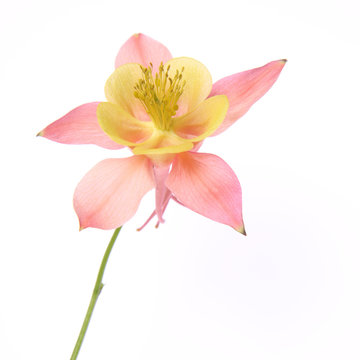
(96, 292)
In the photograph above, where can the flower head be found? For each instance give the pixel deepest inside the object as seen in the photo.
(161, 112)
(162, 108)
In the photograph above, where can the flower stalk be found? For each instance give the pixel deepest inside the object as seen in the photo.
(96, 292)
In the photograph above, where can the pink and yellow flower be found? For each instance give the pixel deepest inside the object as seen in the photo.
(162, 108)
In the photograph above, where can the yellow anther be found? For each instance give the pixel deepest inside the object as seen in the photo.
(160, 95)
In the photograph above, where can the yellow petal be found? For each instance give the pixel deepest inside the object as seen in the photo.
(121, 127)
(203, 121)
(198, 82)
(119, 89)
(163, 143)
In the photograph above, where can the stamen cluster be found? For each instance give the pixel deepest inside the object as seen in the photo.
(160, 95)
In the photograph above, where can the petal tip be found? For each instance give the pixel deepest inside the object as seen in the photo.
(241, 229)
(284, 61)
(40, 133)
(81, 228)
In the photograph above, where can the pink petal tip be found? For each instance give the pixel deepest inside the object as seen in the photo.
(241, 229)
(142, 49)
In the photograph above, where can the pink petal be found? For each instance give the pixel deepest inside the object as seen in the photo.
(162, 194)
(110, 193)
(205, 184)
(142, 49)
(244, 89)
(79, 126)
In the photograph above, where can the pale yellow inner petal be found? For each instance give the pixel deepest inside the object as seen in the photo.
(198, 82)
(121, 127)
(163, 143)
(203, 121)
(119, 89)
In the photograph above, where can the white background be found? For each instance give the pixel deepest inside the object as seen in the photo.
(193, 289)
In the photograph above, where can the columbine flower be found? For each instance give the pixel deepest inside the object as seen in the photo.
(162, 108)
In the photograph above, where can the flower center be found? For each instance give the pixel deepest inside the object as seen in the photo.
(160, 95)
